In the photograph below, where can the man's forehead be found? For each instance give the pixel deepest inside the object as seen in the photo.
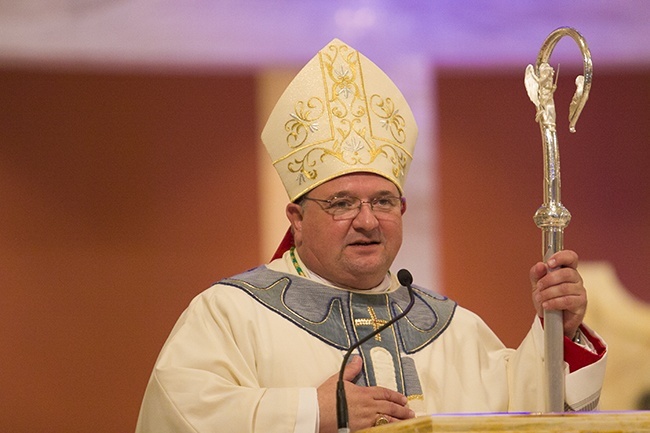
(358, 183)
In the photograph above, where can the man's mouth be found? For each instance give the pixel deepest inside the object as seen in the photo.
(363, 243)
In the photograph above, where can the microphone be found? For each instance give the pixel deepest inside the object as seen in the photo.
(343, 421)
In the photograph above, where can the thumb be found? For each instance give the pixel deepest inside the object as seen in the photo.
(352, 368)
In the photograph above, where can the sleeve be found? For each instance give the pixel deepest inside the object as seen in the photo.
(526, 374)
(588, 350)
(205, 381)
(586, 371)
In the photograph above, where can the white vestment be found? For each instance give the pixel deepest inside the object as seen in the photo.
(232, 364)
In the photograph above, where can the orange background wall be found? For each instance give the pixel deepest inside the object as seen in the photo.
(491, 173)
(122, 195)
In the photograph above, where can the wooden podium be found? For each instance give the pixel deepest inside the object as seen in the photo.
(570, 422)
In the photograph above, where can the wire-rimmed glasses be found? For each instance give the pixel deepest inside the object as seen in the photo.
(345, 208)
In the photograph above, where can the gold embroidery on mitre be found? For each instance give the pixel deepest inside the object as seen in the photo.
(349, 114)
(303, 121)
(341, 114)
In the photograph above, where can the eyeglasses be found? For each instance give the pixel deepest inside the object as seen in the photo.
(345, 208)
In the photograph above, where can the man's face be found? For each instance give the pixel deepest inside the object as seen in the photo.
(355, 252)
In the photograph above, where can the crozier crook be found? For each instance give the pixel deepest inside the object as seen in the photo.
(552, 217)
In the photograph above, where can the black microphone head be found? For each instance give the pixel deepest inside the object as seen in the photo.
(405, 278)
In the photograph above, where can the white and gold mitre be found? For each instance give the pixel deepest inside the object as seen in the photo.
(340, 114)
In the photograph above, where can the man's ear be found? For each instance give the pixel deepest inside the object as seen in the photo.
(403, 200)
(294, 215)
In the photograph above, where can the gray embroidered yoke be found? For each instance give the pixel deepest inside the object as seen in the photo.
(340, 318)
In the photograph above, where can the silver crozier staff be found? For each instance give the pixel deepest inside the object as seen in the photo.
(552, 217)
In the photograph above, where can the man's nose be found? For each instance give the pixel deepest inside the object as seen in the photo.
(366, 217)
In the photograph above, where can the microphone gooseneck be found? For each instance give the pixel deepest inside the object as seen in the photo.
(343, 421)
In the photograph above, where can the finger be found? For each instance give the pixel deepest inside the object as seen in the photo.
(556, 291)
(352, 368)
(388, 419)
(561, 289)
(536, 273)
(571, 303)
(384, 394)
(563, 296)
(561, 276)
(557, 300)
(564, 258)
(395, 411)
